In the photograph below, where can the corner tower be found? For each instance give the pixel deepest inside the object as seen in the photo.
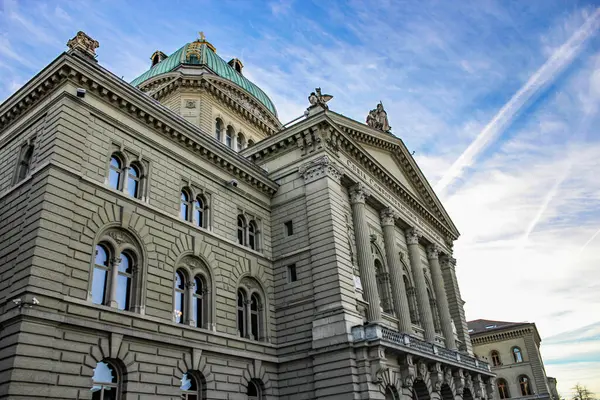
(211, 93)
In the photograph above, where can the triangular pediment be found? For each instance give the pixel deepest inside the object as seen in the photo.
(393, 156)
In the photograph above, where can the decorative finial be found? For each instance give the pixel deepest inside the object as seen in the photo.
(377, 119)
(84, 43)
(202, 40)
(316, 98)
(202, 37)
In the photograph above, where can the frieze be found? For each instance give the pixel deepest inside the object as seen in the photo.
(407, 214)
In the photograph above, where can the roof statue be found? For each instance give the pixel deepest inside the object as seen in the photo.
(318, 99)
(377, 119)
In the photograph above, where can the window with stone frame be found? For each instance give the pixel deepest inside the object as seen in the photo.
(106, 382)
(219, 126)
(495, 355)
(254, 391)
(185, 205)
(240, 141)
(241, 229)
(503, 389)
(383, 281)
(229, 136)
(115, 278)
(191, 293)
(127, 176)
(248, 232)
(434, 310)
(24, 162)
(191, 387)
(251, 320)
(525, 386)
(517, 355)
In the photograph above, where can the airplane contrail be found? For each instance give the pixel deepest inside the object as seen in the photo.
(589, 241)
(560, 59)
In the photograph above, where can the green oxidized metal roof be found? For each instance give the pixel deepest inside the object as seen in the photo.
(212, 61)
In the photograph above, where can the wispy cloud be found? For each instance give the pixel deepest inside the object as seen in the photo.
(547, 73)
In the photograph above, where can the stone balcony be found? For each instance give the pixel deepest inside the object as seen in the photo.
(377, 334)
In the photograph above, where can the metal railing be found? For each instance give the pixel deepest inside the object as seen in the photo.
(373, 332)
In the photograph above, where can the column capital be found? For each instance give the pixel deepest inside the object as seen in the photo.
(413, 235)
(320, 168)
(190, 285)
(433, 251)
(359, 193)
(388, 216)
(115, 261)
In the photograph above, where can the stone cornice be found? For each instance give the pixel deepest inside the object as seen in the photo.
(363, 134)
(238, 99)
(319, 131)
(501, 335)
(106, 86)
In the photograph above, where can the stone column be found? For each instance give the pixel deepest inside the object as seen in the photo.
(412, 240)
(455, 301)
(114, 281)
(189, 293)
(248, 319)
(393, 259)
(440, 295)
(358, 194)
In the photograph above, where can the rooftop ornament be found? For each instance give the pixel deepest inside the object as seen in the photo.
(84, 43)
(377, 119)
(317, 99)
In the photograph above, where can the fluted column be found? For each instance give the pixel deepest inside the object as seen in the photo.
(440, 295)
(358, 194)
(393, 259)
(412, 240)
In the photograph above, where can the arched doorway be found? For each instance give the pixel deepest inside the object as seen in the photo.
(446, 392)
(467, 395)
(420, 391)
(391, 393)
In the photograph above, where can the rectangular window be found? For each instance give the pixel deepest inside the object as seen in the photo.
(289, 228)
(291, 275)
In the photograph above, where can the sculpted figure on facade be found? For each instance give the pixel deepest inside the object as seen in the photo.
(378, 119)
(317, 99)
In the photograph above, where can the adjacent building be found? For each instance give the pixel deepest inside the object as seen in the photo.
(513, 351)
(171, 239)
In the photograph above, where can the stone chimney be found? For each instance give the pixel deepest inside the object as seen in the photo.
(85, 44)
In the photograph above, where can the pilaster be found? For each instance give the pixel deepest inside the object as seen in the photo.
(440, 294)
(455, 302)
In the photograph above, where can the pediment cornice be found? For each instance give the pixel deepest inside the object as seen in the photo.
(119, 94)
(235, 97)
(321, 131)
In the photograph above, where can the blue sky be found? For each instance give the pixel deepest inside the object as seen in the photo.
(498, 99)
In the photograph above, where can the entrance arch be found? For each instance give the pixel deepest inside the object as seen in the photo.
(446, 392)
(420, 391)
(467, 395)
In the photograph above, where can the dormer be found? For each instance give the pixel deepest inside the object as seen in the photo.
(157, 57)
(236, 64)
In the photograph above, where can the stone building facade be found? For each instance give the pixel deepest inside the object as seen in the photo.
(513, 351)
(171, 239)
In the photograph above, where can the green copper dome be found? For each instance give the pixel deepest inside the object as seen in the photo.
(201, 52)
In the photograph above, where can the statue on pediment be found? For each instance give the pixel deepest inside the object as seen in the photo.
(316, 98)
(377, 119)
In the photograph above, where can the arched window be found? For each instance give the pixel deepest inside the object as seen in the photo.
(24, 163)
(255, 309)
(186, 206)
(133, 181)
(241, 229)
(412, 301)
(199, 313)
(199, 211)
(115, 174)
(382, 286)
(525, 386)
(254, 391)
(241, 313)
(252, 235)
(391, 393)
(241, 141)
(105, 382)
(503, 389)
(495, 358)
(434, 311)
(219, 130)
(179, 297)
(250, 142)
(101, 275)
(229, 134)
(517, 356)
(124, 281)
(189, 387)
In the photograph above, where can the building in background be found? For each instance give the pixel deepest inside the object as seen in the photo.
(513, 351)
(171, 239)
